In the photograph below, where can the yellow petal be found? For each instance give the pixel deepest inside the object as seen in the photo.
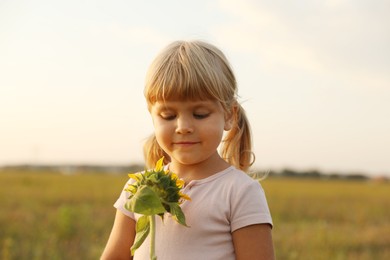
(184, 196)
(159, 164)
(180, 183)
(131, 188)
(135, 176)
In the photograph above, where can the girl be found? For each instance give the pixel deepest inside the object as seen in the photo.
(191, 95)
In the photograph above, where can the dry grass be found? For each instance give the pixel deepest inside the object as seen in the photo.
(53, 216)
(330, 219)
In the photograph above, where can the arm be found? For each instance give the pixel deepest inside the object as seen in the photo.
(254, 242)
(121, 238)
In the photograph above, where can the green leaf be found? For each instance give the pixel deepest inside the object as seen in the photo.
(146, 202)
(142, 228)
(177, 213)
(153, 178)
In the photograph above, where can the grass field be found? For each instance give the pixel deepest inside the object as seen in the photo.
(54, 216)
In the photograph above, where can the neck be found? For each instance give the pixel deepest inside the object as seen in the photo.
(200, 170)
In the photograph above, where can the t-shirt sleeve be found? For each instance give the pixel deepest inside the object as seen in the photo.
(249, 206)
(121, 201)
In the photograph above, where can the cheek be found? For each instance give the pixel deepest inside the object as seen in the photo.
(214, 130)
(162, 139)
(159, 124)
(162, 131)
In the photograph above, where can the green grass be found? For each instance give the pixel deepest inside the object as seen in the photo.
(54, 216)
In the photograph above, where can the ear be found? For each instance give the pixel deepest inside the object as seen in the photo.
(228, 125)
(229, 118)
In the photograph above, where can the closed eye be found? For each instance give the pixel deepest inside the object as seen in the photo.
(201, 116)
(168, 117)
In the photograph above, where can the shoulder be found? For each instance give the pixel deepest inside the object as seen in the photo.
(239, 179)
(239, 187)
(248, 202)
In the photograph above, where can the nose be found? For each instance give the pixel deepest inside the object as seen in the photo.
(184, 125)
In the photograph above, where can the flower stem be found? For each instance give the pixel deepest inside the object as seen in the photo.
(152, 237)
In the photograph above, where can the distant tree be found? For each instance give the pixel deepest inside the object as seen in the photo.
(289, 173)
(312, 174)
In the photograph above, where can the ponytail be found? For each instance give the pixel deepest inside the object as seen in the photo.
(153, 152)
(237, 145)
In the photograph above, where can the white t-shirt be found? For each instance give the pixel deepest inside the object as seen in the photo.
(220, 204)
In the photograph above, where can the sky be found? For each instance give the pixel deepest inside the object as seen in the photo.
(313, 76)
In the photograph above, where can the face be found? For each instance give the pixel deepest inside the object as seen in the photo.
(189, 131)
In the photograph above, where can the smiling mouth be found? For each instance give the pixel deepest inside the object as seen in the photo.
(185, 143)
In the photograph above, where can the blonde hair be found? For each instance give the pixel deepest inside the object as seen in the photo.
(196, 70)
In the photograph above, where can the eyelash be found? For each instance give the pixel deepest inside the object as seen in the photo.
(196, 116)
(201, 116)
(167, 117)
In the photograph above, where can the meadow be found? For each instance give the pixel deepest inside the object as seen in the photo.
(48, 215)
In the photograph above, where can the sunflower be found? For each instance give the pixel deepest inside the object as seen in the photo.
(154, 192)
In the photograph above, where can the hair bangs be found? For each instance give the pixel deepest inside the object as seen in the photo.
(185, 71)
(178, 84)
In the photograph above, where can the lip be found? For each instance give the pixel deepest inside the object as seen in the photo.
(185, 143)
